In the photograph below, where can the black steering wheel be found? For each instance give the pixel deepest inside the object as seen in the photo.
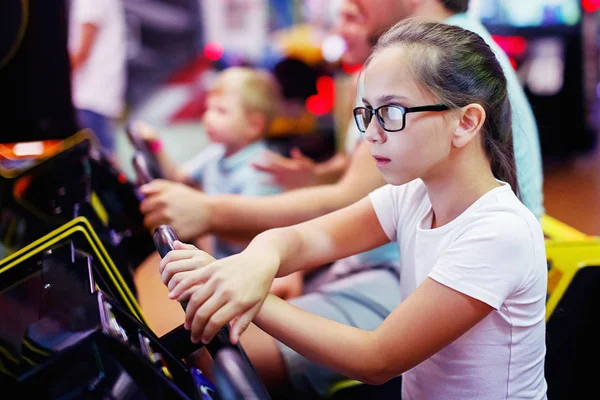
(235, 377)
(143, 156)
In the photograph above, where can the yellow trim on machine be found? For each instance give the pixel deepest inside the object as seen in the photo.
(82, 225)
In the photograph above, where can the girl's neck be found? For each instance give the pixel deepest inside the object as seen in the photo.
(457, 189)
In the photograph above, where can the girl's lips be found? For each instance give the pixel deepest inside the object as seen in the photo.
(381, 161)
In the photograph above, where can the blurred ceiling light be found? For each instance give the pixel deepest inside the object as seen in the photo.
(332, 48)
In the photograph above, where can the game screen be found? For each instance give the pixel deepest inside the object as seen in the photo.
(527, 14)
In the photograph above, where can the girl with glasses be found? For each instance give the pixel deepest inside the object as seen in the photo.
(471, 323)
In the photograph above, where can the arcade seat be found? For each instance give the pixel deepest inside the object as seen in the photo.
(572, 311)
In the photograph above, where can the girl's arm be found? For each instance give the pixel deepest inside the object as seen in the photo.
(431, 318)
(236, 286)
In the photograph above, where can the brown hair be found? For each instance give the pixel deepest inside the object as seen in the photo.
(456, 5)
(258, 89)
(459, 68)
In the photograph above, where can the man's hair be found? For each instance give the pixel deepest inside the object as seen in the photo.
(258, 89)
(456, 5)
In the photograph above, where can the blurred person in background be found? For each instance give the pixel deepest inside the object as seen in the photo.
(97, 47)
(299, 170)
(361, 23)
(378, 15)
(240, 105)
(359, 291)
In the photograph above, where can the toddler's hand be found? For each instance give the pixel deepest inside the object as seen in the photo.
(146, 131)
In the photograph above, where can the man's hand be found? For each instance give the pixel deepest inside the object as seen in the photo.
(288, 287)
(185, 209)
(289, 173)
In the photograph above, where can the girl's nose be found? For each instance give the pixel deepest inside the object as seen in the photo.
(374, 132)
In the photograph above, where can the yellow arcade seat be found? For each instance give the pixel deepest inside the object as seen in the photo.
(572, 311)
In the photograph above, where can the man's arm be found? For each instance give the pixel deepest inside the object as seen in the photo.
(192, 213)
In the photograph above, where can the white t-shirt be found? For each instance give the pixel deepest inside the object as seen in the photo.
(99, 84)
(494, 252)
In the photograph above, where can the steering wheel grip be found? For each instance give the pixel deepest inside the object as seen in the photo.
(145, 157)
(235, 378)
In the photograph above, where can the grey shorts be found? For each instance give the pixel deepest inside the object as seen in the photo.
(362, 300)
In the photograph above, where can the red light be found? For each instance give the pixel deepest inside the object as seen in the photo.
(513, 62)
(213, 51)
(318, 104)
(326, 86)
(514, 46)
(351, 68)
(122, 178)
(590, 5)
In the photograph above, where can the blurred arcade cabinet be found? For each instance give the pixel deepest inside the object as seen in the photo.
(34, 72)
(550, 45)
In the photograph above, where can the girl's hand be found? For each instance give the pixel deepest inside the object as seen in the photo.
(218, 291)
(184, 258)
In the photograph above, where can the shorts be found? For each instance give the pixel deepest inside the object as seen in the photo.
(362, 300)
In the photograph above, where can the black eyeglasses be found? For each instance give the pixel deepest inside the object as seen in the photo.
(392, 118)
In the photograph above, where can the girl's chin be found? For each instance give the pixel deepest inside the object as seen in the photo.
(396, 180)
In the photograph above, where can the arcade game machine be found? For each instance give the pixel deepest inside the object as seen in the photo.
(544, 39)
(50, 171)
(70, 332)
(49, 190)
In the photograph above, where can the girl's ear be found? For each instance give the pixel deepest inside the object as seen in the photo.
(471, 121)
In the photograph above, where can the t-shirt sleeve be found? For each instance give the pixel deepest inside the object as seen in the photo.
(392, 202)
(386, 210)
(196, 166)
(257, 183)
(490, 260)
(90, 11)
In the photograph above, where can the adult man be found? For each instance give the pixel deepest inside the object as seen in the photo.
(192, 214)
